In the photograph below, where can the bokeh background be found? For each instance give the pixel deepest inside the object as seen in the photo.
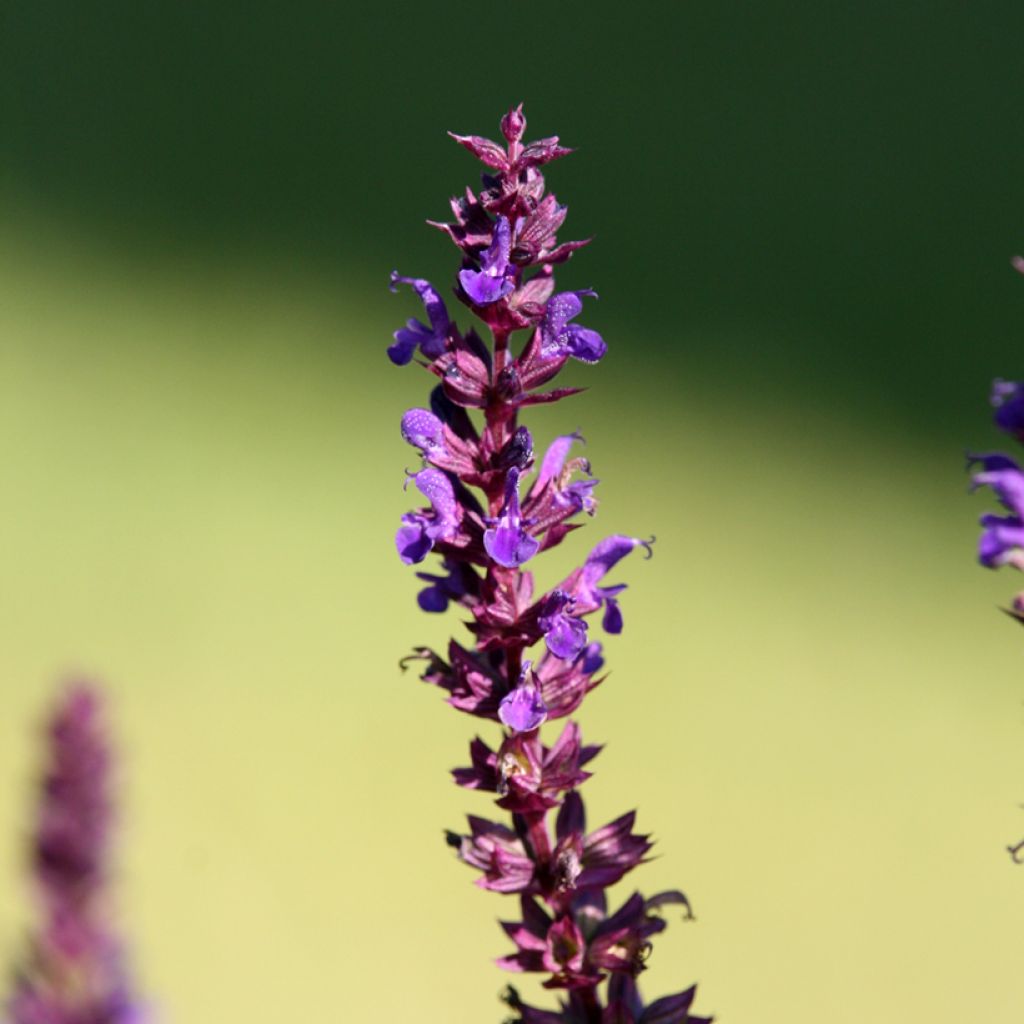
(803, 213)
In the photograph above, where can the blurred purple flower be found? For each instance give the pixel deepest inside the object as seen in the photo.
(74, 973)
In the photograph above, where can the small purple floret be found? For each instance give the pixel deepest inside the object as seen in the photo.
(589, 594)
(431, 340)
(559, 337)
(564, 634)
(420, 530)
(523, 710)
(507, 542)
(493, 280)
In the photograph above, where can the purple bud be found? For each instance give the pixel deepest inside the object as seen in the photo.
(423, 430)
(509, 386)
(513, 124)
(518, 452)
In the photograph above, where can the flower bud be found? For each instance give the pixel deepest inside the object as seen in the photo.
(513, 124)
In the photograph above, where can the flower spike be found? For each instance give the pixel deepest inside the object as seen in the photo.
(532, 659)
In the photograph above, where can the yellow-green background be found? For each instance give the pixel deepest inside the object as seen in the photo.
(803, 217)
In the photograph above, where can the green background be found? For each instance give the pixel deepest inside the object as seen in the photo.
(803, 215)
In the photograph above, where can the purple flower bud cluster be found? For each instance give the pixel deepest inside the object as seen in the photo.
(492, 507)
(74, 972)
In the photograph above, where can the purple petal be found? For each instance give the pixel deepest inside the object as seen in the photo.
(423, 430)
(483, 288)
(612, 620)
(523, 710)
(507, 542)
(412, 539)
(584, 344)
(431, 340)
(592, 659)
(566, 637)
(406, 340)
(432, 598)
(437, 312)
(609, 552)
(495, 260)
(438, 490)
(561, 309)
(510, 546)
(491, 282)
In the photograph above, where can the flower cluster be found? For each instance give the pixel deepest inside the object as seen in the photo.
(492, 507)
(74, 973)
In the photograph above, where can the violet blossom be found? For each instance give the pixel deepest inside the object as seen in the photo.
(532, 661)
(74, 971)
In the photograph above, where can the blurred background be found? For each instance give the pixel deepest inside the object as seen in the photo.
(803, 214)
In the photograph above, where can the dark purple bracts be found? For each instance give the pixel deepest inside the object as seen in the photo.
(491, 510)
(74, 972)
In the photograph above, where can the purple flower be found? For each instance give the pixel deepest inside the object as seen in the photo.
(585, 588)
(75, 973)
(507, 542)
(493, 280)
(554, 496)
(559, 337)
(564, 634)
(421, 530)
(431, 340)
(523, 710)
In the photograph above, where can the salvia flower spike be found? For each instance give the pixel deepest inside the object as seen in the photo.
(74, 971)
(492, 510)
